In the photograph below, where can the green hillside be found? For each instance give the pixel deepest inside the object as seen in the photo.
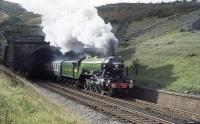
(13, 18)
(164, 48)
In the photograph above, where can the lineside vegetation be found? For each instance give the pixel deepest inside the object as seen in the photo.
(22, 105)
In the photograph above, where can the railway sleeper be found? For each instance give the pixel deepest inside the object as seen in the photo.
(106, 109)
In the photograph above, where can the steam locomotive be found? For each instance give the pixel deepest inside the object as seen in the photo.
(101, 75)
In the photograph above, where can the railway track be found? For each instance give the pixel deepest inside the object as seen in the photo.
(134, 112)
(115, 109)
(171, 114)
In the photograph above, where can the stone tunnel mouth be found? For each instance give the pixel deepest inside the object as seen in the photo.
(34, 63)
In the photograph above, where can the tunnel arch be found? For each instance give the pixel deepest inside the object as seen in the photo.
(35, 61)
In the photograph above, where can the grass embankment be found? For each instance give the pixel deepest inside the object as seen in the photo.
(22, 105)
(171, 64)
(168, 53)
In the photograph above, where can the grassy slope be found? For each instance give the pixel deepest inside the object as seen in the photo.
(20, 105)
(171, 66)
(14, 18)
(160, 37)
(169, 58)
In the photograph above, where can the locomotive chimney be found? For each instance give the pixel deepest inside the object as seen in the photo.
(111, 48)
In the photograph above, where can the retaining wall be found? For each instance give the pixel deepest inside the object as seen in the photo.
(174, 100)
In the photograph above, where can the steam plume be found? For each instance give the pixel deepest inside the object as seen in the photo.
(72, 24)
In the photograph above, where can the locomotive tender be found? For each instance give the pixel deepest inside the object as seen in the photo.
(102, 75)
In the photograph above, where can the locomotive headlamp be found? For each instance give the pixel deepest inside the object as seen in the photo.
(107, 83)
(131, 84)
(114, 86)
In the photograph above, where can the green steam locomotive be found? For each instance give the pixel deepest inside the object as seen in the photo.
(102, 75)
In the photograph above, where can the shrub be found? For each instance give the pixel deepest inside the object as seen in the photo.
(124, 44)
(171, 42)
(182, 30)
(192, 54)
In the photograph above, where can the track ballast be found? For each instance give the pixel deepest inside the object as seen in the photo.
(138, 112)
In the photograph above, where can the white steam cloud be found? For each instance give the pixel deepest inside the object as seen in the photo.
(72, 24)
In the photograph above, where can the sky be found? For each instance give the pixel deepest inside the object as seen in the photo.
(103, 2)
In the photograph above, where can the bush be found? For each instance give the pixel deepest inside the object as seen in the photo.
(171, 42)
(192, 54)
(166, 12)
(124, 44)
(182, 30)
